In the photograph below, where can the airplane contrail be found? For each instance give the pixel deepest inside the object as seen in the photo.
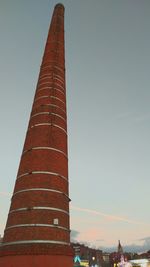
(6, 194)
(108, 216)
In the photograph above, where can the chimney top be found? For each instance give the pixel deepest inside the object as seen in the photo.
(60, 5)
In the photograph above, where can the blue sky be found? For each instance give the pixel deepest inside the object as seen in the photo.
(107, 74)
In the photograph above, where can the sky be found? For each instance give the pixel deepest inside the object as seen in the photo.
(108, 102)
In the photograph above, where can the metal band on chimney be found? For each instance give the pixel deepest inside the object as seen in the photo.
(49, 96)
(37, 225)
(39, 208)
(45, 148)
(51, 66)
(55, 106)
(35, 242)
(42, 172)
(40, 189)
(48, 113)
(51, 88)
(48, 124)
(51, 82)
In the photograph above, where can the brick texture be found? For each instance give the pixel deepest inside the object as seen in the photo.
(41, 190)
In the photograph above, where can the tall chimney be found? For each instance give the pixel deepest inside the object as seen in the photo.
(37, 232)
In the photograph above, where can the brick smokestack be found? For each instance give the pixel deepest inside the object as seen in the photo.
(37, 232)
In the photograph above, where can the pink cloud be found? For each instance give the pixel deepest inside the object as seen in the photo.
(91, 234)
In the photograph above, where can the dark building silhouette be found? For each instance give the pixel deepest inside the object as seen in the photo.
(37, 232)
(120, 249)
(87, 256)
(120, 255)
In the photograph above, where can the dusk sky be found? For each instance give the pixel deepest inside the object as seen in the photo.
(107, 46)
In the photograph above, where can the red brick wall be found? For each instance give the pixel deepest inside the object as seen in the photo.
(31, 216)
(43, 169)
(37, 260)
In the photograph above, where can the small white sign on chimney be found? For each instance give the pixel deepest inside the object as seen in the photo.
(56, 221)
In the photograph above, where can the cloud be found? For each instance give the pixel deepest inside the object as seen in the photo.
(146, 243)
(74, 234)
(91, 234)
(146, 239)
(135, 248)
(107, 216)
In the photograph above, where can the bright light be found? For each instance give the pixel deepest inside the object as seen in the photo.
(77, 259)
(141, 262)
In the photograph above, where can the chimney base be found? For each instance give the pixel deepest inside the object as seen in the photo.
(36, 261)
